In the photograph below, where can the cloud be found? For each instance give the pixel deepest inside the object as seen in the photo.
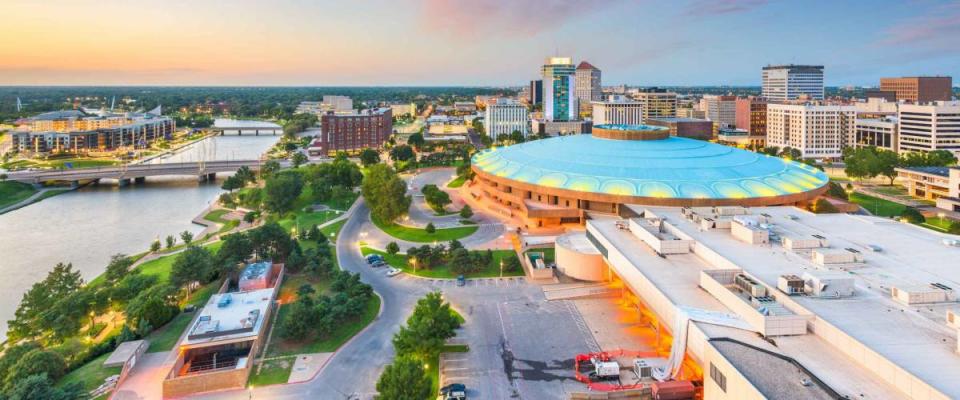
(503, 18)
(930, 35)
(719, 7)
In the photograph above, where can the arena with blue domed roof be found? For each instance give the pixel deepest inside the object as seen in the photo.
(555, 180)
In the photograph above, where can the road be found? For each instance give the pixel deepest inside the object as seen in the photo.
(521, 345)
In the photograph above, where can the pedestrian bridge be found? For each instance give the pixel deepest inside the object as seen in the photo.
(124, 173)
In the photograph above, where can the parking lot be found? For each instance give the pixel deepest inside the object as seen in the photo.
(521, 345)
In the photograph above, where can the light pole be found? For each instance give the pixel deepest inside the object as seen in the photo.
(501, 268)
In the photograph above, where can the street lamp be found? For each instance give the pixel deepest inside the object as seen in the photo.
(414, 262)
(501, 268)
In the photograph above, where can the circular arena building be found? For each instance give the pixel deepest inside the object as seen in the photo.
(552, 181)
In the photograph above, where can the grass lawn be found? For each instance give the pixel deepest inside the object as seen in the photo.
(343, 332)
(549, 255)
(161, 266)
(459, 181)
(90, 375)
(217, 216)
(877, 206)
(334, 230)
(14, 192)
(421, 236)
(229, 226)
(895, 190)
(400, 261)
(937, 223)
(272, 372)
(292, 282)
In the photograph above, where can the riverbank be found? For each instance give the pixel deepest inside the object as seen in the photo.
(12, 195)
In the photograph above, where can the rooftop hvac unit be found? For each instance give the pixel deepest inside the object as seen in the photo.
(790, 284)
(933, 293)
(642, 369)
(828, 284)
(750, 286)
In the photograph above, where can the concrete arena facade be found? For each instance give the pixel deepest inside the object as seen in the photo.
(553, 181)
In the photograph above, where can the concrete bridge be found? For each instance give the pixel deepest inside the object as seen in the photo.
(137, 172)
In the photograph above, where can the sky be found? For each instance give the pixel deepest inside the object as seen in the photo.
(468, 42)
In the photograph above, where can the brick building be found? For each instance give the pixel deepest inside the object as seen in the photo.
(353, 132)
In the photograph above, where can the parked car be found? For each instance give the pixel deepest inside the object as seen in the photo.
(461, 280)
(453, 391)
(378, 264)
(374, 258)
(392, 271)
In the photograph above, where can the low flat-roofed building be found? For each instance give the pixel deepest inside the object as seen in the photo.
(218, 350)
(941, 184)
(859, 341)
(740, 138)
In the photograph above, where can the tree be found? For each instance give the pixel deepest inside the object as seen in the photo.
(954, 228)
(271, 241)
(232, 183)
(912, 216)
(836, 191)
(861, 163)
(385, 193)
(152, 308)
(887, 163)
(404, 379)
(171, 240)
(195, 264)
(369, 157)
(12, 354)
(393, 248)
(132, 285)
(245, 175)
(941, 158)
(36, 362)
(236, 249)
(416, 140)
(281, 191)
(269, 168)
(401, 153)
(428, 328)
(249, 217)
(298, 159)
(466, 212)
(65, 318)
(300, 319)
(155, 245)
(41, 387)
(438, 199)
(42, 296)
(511, 264)
(430, 228)
(186, 237)
(516, 136)
(117, 268)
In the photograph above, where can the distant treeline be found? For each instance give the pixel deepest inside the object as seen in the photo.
(259, 102)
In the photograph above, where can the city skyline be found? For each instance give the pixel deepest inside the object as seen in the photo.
(438, 43)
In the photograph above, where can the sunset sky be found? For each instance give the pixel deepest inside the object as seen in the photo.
(469, 42)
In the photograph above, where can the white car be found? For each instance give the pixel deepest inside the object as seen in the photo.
(392, 271)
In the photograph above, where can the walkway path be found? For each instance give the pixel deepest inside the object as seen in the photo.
(30, 200)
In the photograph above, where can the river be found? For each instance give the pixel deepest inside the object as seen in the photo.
(85, 227)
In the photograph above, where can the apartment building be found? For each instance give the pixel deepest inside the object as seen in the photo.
(751, 116)
(353, 132)
(817, 131)
(722, 110)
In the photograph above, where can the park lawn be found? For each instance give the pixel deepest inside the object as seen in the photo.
(161, 266)
(272, 372)
(877, 206)
(400, 261)
(340, 335)
(229, 226)
(458, 182)
(90, 375)
(895, 190)
(292, 282)
(14, 192)
(332, 231)
(421, 236)
(937, 223)
(217, 216)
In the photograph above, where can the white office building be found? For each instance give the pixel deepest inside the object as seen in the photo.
(876, 132)
(818, 131)
(506, 116)
(930, 127)
(790, 82)
(617, 110)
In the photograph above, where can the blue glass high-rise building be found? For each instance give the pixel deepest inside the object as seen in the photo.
(559, 101)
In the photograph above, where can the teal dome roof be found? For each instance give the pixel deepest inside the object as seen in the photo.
(669, 168)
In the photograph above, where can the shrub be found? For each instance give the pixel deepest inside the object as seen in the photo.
(913, 216)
